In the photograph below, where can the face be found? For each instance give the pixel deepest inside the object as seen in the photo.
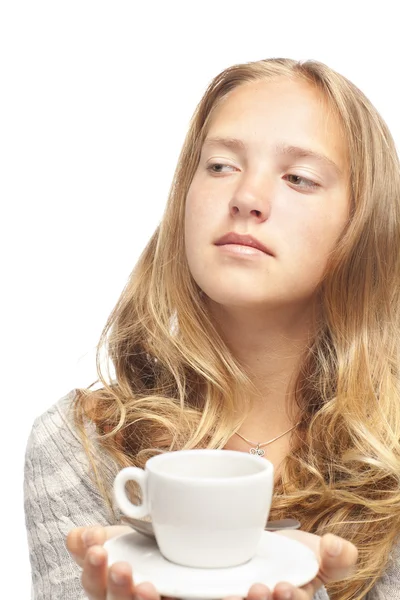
(283, 182)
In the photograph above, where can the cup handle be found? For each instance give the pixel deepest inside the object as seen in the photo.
(136, 511)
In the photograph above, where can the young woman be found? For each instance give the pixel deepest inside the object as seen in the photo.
(263, 314)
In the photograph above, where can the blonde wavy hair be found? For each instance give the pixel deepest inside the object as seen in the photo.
(176, 382)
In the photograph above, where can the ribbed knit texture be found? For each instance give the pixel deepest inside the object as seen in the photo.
(59, 495)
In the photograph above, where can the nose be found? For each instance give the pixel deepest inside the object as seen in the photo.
(252, 197)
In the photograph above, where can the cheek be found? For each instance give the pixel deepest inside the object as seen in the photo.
(202, 214)
(311, 237)
(196, 213)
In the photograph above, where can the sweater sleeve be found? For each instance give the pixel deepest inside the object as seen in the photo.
(322, 594)
(58, 496)
(388, 586)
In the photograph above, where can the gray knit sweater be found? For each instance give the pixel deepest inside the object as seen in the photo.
(59, 495)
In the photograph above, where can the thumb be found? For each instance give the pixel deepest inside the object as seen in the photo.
(338, 558)
(80, 539)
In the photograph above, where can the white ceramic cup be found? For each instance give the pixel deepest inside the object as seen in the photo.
(208, 507)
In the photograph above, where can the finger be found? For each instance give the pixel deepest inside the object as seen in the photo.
(285, 591)
(120, 582)
(335, 562)
(94, 574)
(306, 592)
(82, 538)
(311, 540)
(147, 591)
(259, 591)
(338, 558)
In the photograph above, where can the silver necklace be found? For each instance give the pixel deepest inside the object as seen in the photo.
(257, 448)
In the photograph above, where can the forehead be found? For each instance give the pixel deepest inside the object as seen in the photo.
(280, 111)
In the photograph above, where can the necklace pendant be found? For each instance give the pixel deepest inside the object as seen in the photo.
(257, 451)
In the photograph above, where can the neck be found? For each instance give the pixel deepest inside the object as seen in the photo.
(270, 347)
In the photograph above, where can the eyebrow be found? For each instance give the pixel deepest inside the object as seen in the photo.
(285, 149)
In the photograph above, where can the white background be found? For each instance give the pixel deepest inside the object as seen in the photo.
(95, 100)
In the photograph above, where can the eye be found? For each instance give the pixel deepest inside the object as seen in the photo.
(215, 167)
(302, 182)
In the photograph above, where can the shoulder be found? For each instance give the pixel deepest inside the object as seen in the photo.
(53, 434)
(57, 424)
(56, 420)
(55, 452)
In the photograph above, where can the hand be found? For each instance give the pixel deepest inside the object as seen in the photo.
(333, 567)
(97, 579)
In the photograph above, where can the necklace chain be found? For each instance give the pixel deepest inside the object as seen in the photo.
(258, 446)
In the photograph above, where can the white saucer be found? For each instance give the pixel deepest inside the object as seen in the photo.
(278, 559)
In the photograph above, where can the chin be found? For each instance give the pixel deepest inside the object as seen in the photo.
(235, 300)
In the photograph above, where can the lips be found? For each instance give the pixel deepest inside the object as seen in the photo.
(242, 240)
